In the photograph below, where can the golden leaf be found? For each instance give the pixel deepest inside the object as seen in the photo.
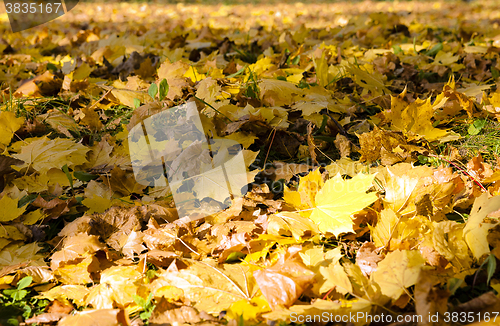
(118, 285)
(335, 278)
(476, 230)
(9, 210)
(304, 197)
(211, 288)
(9, 124)
(76, 293)
(338, 199)
(44, 154)
(284, 282)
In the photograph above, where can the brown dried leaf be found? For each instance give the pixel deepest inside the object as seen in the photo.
(343, 145)
(168, 312)
(284, 282)
(429, 298)
(121, 182)
(367, 258)
(46, 318)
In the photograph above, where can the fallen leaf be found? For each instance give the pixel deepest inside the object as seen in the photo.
(283, 283)
(476, 230)
(338, 199)
(367, 258)
(96, 317)
(399, 270)
(9, 124)
(44, 154)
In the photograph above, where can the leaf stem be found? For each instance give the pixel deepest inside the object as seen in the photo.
(226, 277)
(210, 106)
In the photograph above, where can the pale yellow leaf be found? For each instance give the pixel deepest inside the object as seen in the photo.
(335, 278)
(398, 271)
(476, 231)
(291, 223)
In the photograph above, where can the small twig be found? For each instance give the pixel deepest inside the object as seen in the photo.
(181, 241)
(102, 98)
(269, 149)
(388, 245)
(145, 263)
(210, 106)
(310, 143)
(461, 215)
(337, 124)
(328, 293)
(328, 157)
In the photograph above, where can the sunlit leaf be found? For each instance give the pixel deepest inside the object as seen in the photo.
(338, 199)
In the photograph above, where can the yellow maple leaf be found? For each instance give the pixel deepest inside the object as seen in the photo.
(74, 248)
(338, 199)
(9, 124)
(284, 282)
(321, 67)
(98, 197)
(416, 118)
(448, 240)
(33, 217)
(121, 182)
(82, 72)
(100, 154)
(194, 75)
(242, 138)
(118, 285)
(383, 231)
(315, 255)
(173, 73)
(393, 231)
(249, 309)
(90, 118)
(208, 90)
(76, 293)
(290, 223)
(211, 288)
(43, 154)
(11, 232)
(476, 231)
(303, 198)
(9, 210)
(445, 58)
(399, 270)
(76, 273)
(276, 92)
(398, 188)
(335, 277)
(16, 254)
(60, 121)
(371, 81)
(126, 96)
